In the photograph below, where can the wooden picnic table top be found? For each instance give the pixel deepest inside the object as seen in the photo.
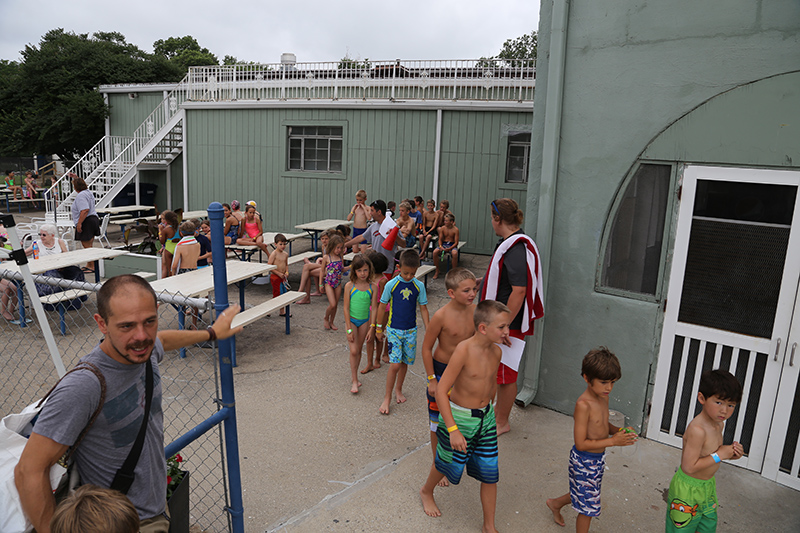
(124, 209)
(269, 236)
(322, 225)
(187, 215)
(201, 281)
(75, 257)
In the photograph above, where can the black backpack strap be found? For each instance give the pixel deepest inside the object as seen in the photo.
(96, 371)
(125, 475)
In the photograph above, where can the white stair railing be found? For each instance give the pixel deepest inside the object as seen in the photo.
(110, 164)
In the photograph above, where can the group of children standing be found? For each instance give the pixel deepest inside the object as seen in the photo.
(461, 355)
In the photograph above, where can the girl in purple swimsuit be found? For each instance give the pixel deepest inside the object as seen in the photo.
(333, 266)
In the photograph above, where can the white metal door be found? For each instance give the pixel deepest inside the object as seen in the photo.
(782, 462)
(730, 301)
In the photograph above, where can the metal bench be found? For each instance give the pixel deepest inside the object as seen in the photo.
(58, 298)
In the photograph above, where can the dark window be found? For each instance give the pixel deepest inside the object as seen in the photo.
(519, 153)
(315, 148)
(633, 252)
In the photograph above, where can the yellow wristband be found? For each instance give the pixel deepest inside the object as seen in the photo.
(372, 325)
(452, 428)
(431, 377)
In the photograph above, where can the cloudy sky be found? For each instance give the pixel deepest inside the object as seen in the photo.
(260, 30)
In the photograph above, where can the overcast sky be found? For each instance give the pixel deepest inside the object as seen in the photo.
(260, 30)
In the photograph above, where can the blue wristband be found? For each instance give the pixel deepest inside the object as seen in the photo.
(716, 458)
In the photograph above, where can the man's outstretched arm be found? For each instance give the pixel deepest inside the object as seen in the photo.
(173, 339)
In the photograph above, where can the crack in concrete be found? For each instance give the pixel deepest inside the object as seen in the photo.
(337, 498)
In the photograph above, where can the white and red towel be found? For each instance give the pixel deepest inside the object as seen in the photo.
(533, 306)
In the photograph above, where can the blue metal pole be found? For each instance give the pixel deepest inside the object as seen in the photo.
(236, 509)
(196, 432)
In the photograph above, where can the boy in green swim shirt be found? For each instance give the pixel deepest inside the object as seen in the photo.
(692, 500)
(467, 431)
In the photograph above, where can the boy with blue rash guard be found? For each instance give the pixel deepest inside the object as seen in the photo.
(600, 370)
(402, 293)
(692, 498)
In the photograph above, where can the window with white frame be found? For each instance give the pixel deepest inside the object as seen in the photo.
(519, 153)
(315, 148)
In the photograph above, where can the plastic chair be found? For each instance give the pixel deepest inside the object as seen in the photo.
(103, 229)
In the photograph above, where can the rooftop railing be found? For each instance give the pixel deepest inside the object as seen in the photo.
(397, 80)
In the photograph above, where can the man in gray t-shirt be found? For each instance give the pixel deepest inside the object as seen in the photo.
(128, 318)
(373, 237)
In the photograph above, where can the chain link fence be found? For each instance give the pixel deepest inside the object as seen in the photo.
(190, 385)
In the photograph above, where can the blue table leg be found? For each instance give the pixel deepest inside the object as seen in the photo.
(181, 325)
(233, 351)
(241, 293)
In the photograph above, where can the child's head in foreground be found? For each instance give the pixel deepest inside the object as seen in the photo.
(601, 364)
(360, 261)
(279, 238)
(187, 228)
(454, 279)
(409, 263)
(93, 509)
(486, 312)
(378, 260)
(361, 195)
(722, 384)
(334, 242)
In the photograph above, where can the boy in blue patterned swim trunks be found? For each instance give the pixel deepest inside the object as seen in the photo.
(600, 370)
(402, 293)
(467, 431)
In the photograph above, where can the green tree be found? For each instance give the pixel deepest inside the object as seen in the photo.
(48, 102)
(523, 47)
(184, 52)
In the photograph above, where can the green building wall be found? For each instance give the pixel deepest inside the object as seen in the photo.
(127, 114)
(241, 154)
(632, 69)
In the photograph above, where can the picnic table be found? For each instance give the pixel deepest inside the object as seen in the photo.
(56, 261)
(116, 210)
(200, 282)
(318, 226)
(245, 252)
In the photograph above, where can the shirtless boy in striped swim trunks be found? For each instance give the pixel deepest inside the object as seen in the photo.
(467, 430)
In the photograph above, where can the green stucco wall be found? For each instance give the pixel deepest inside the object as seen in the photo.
(241, 154)
(632, 69)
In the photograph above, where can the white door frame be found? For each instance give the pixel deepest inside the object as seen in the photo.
(671, 326)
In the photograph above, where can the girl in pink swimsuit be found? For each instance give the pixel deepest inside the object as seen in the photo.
(251, 233)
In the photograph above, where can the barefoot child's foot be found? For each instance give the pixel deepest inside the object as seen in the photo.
(305, 300)
(367, 369)
(354, 387)
(429, 504)
(334, 328)
(556, 512)
(503, 429)
(400, 397)
(443, 483)
(384, 409)
(325, 321)
(377, 363)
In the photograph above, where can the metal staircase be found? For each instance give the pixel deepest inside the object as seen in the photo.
(111, 163)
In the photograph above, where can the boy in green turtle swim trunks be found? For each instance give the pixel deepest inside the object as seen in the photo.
(692, 500)
(467, 431)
